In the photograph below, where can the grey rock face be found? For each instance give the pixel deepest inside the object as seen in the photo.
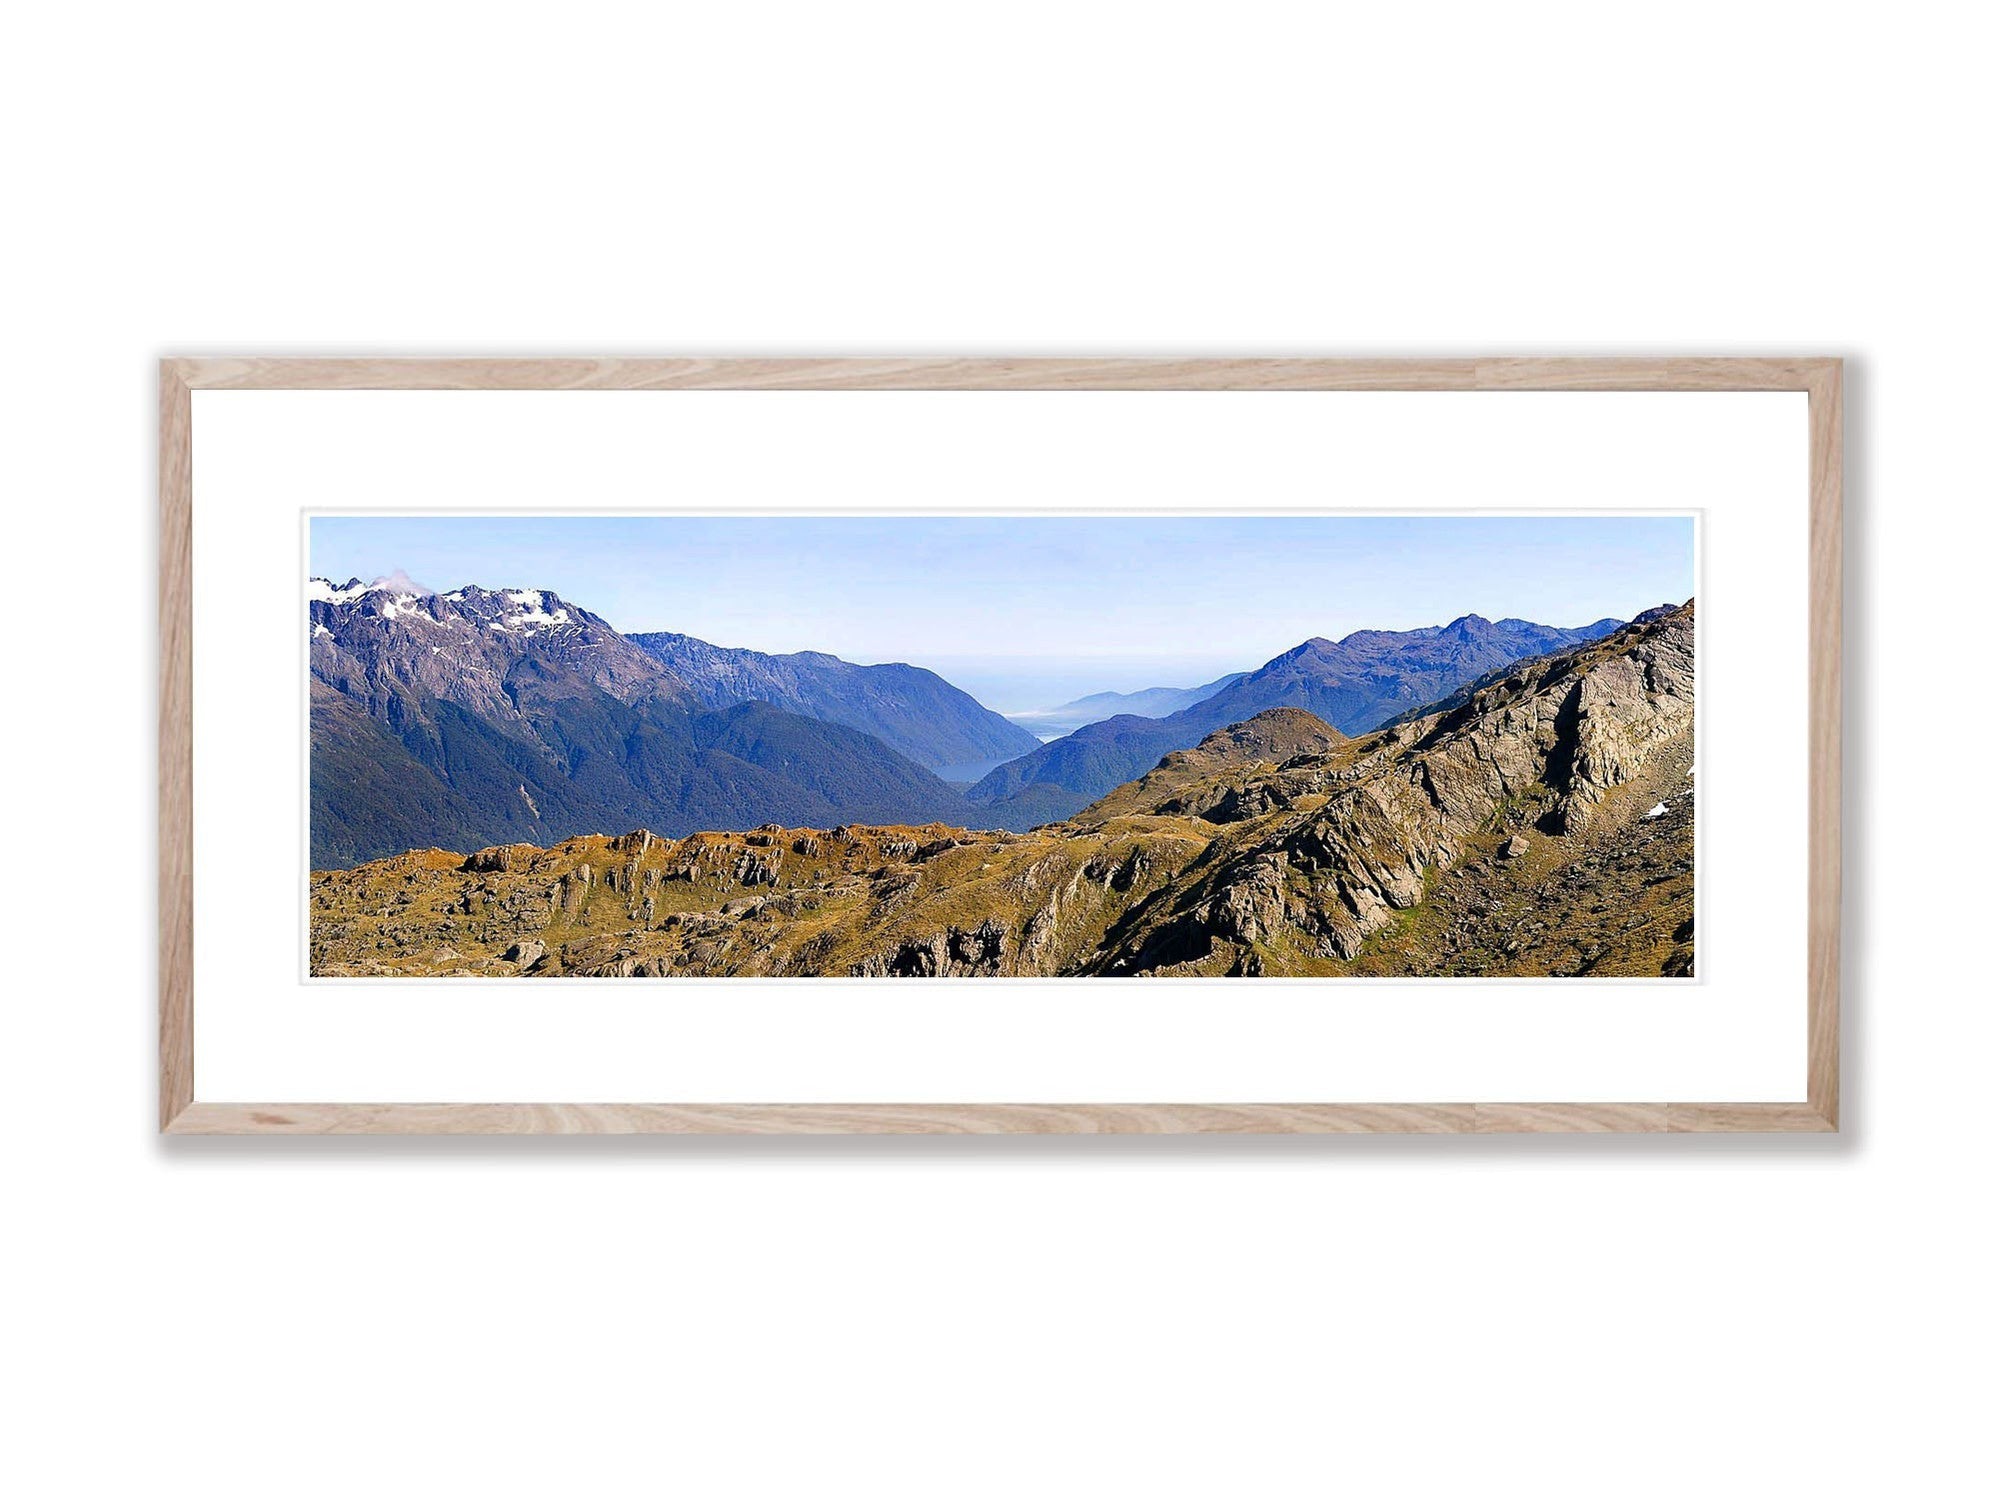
(573, 887)
(504, 859)
(1589, 722)
(952, 953)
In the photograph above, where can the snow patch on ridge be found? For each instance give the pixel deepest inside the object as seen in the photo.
(528, 611)
(399, 585)
(534, 611)
(322, 591)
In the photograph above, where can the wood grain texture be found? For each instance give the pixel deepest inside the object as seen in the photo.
(824, 1119)
(1653, 374)
(830, 374)
(993, 1118)
(1819, 378)
(176, 767)
(1823, 888)
(1001, 374)
(1571, 1118)
(1748, 1118)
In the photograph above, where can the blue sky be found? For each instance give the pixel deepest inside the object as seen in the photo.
(1029, 611)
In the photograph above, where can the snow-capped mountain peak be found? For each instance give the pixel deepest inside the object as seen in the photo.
(525, 612)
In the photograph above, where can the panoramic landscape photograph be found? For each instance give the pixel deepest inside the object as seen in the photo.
(853, 746)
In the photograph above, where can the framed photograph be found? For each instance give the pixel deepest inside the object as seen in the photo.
(991, 745)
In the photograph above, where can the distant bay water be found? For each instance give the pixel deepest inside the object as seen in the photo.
(1025, 684)
(977, 770)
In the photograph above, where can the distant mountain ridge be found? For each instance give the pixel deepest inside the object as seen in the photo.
(913, 711)
(483, 716)
(1149, 702)
(1523, 665)
(1354, 683)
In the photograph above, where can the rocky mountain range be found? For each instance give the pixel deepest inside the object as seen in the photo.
(914, 712)
(478, 715)
(1540, 824)
(1354, 683)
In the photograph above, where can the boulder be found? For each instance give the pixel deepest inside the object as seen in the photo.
(525, 954)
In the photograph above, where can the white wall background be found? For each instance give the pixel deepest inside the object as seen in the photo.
(993, 1317)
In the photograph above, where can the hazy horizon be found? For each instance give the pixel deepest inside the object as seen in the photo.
(1028, 612)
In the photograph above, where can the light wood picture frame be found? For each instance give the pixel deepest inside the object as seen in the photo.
(183, 1111)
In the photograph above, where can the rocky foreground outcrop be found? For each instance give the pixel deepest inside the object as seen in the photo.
(1540, 824)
